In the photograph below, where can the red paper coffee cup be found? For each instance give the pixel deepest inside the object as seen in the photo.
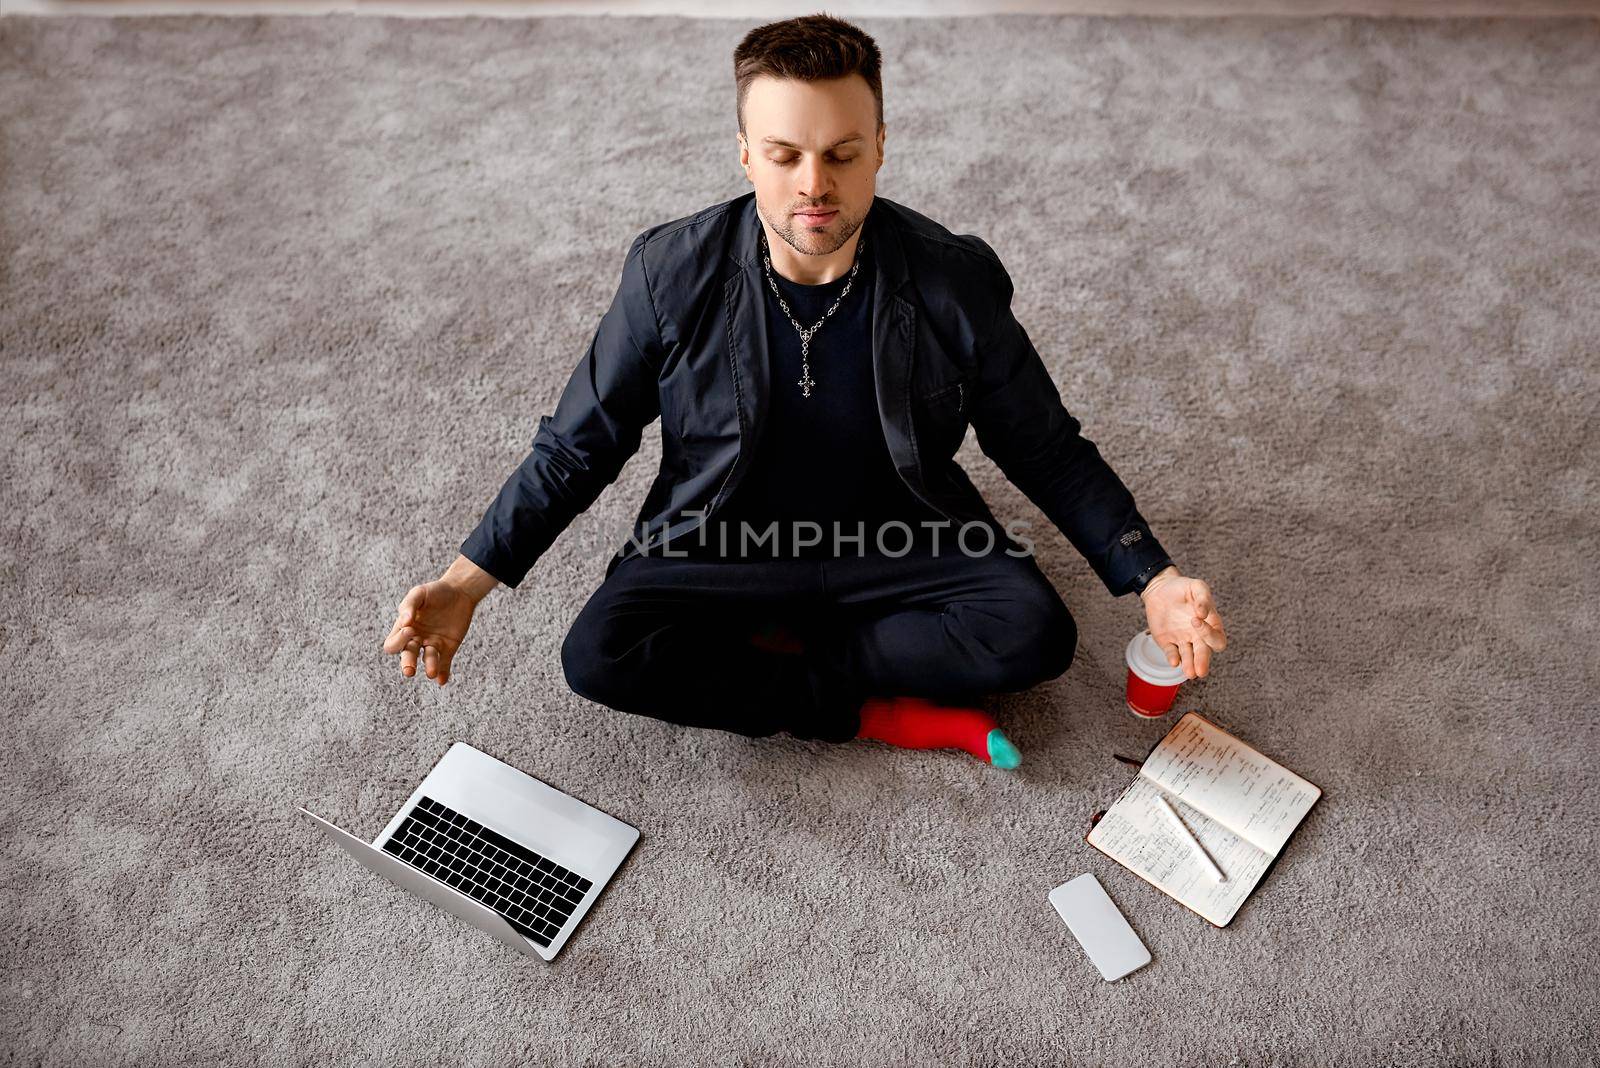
(1152, 682)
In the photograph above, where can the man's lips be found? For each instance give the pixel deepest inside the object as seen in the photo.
(817, 214)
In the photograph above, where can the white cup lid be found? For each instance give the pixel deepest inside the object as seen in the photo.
(1150, 663)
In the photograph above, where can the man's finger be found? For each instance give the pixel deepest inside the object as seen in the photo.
(1202, 658)
(1170, 651)
(397, 639)
(408, 663)
(1186, 651)
(409, 604)
(437, 662)
(1210, 637)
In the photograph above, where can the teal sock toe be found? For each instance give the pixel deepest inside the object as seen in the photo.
(1002, 754)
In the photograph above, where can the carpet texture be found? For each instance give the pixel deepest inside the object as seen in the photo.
(283, 299)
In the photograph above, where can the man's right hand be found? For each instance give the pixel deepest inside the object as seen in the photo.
(433, 619)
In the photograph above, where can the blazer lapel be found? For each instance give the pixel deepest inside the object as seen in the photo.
(748, 354)
(894, 328)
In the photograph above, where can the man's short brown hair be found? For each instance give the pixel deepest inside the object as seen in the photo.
(809, 48)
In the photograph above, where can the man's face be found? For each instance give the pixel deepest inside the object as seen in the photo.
(812, 145)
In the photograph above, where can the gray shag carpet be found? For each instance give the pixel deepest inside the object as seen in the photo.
(283, 299)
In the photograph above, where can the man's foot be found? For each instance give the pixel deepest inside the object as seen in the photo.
(918, 723)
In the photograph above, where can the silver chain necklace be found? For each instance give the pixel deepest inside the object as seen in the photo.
(806, 381)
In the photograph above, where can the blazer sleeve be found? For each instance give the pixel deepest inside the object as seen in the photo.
(579, 450)
(1022, 425)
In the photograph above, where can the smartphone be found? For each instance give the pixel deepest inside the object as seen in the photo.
(1099, 926)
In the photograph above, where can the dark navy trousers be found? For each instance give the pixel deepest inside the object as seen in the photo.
(668, 637)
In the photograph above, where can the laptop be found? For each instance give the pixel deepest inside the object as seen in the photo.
(498, 848)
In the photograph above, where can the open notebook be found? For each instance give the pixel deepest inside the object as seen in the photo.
(1239, 804)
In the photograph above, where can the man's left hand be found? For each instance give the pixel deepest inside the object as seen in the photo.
(1183, 620)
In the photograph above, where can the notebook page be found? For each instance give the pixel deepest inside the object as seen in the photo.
(1137, 834)
(1212, 770)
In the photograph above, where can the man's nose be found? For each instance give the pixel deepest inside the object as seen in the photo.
(814, 181)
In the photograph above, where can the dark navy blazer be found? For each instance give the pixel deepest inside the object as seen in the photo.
(685, 341)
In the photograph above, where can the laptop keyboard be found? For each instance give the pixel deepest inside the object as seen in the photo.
(535, 895)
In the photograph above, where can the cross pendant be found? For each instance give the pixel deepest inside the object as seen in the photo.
(806, 381)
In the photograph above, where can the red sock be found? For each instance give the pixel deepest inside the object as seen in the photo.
(918, 723)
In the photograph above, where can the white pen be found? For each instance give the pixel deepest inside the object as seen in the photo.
(1194, 843)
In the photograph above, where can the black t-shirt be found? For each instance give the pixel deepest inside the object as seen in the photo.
(820, 458)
